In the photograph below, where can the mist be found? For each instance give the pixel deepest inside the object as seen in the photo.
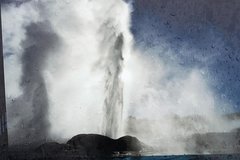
(61, 58)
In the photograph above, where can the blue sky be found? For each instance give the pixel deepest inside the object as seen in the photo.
(202, 34)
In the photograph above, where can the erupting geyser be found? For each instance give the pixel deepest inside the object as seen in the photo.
(113, 103)
(80, 69)
(72, 67)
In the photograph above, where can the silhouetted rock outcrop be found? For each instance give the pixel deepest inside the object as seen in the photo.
(128, 143)
(79, 146)
(93, 144)
(52, 148)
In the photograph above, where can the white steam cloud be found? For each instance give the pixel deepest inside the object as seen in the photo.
(156, 95)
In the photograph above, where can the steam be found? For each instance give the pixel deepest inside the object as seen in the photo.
(113, 102)
(33, 101)
(71, 68)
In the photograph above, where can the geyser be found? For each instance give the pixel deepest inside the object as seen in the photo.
(80, 71)
(87, 78)
(113, 103)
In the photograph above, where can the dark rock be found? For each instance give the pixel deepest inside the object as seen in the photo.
(80, 146)
(94, 144)
(128, 143)
(52, 148)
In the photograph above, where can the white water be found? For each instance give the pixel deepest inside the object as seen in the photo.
(88, 67)
(95, 79)
(113, 102)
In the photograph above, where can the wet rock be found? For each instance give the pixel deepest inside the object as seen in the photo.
(128, 143)
(94, 144)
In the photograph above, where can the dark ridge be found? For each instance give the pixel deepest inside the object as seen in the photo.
(93, 144)
(79, 146)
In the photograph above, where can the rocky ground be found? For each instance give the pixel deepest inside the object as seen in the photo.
(82, 146)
